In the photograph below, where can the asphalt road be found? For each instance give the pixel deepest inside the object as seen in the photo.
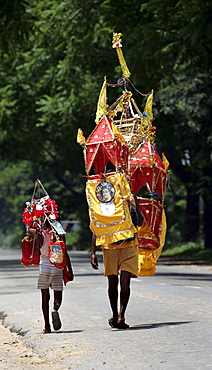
(169, 316)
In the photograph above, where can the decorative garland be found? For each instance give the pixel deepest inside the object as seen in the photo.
(125, 80)
(37, 209)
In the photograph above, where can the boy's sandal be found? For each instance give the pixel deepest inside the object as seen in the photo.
(56, 320)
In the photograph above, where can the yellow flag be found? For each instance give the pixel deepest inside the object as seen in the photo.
(102, 102)
(80, 137)
(165, 161)
(148, 106)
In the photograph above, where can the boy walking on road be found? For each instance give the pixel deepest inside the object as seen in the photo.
(50, 276)
(44, 244)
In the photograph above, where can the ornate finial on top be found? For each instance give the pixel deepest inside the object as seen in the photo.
(116, 43)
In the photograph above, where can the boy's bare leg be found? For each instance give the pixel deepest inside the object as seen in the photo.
(45, 308)
(55, 315)
(124, 294)
(113, 294)
(57, 299)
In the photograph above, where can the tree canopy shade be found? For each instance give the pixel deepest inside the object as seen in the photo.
(55, 55)
(16, 23)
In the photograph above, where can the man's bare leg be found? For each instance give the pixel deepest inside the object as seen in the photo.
(113, 297)
(124, 294)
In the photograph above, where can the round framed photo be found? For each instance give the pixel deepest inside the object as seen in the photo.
(105, 192)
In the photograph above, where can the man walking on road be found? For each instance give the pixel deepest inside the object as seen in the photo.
(120, 256)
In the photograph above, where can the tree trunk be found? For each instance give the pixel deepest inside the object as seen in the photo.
(192, 221)
(207, 221)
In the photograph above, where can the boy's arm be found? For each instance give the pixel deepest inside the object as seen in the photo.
(68, 262)
(94, 260)
(38, 240)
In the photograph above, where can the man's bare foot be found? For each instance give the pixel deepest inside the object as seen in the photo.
(121, 324)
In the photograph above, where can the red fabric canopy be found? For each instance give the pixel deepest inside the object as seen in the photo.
(152, 212)
(147, 169)
(103, 146)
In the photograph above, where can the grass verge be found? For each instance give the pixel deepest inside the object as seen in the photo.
(189, 250)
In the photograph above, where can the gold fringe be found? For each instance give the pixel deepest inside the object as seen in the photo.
(157, 252)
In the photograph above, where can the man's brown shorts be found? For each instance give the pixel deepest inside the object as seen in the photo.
(125, 259)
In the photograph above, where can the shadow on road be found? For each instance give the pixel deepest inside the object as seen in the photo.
(187, 276)
(67, 331)
(158, 325)
(6, 263)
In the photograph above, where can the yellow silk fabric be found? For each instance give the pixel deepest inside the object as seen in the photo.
(115, 227)
(146, 262)
(147, 258)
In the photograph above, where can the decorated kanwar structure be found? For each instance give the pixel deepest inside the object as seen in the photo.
(37, 212)
(121, 159)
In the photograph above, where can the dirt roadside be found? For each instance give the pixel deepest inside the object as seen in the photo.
(15, 355)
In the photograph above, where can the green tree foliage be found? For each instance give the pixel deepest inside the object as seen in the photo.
(46, 92)
(49, 87)
(15, 25)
